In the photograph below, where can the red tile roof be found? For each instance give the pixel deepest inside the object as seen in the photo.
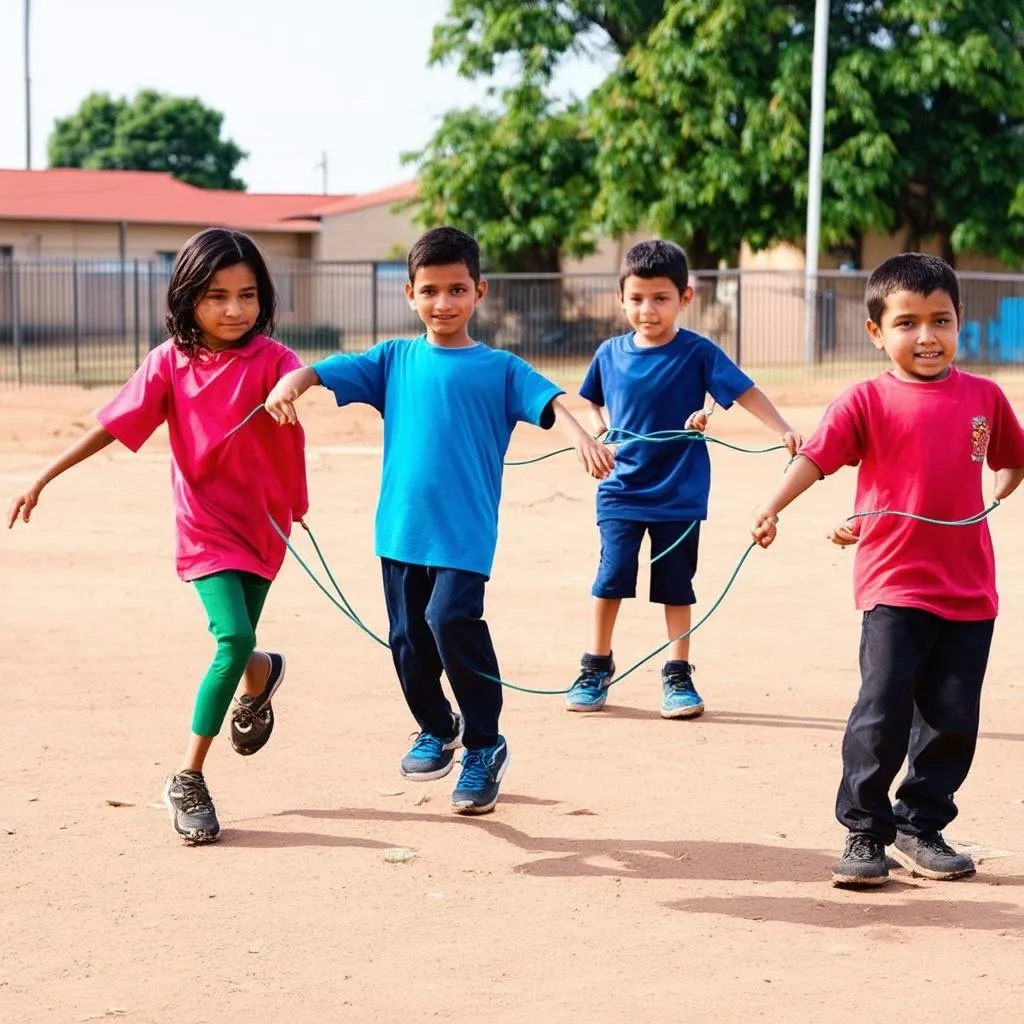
(349, 204)
(148, 197)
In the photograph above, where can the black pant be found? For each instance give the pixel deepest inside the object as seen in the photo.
(436, 624)
(920, 698)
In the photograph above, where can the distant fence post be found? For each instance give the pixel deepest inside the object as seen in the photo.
(76, 318)
(374, 313)
(16, 319)
(136, 299)
(739, 317)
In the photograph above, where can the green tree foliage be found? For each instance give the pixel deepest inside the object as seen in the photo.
(153, 132)
(704, 128)
(701, 132)
(519, 180)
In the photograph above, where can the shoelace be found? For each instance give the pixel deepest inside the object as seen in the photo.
(426, 743)
(245, 717)
(679, 683)
(862, 846)
(194, 795)
(476, 772)
(592, 678)
(936, 843)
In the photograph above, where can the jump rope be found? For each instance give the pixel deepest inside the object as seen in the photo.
(342, 603)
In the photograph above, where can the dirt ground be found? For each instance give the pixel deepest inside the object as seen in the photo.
(635, 869)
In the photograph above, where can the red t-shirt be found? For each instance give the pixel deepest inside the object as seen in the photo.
(920, 447)
(224, 483)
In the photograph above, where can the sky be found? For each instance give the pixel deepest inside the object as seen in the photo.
(293, 78)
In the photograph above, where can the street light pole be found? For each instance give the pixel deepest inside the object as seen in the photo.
(28, 93)
(816, 147)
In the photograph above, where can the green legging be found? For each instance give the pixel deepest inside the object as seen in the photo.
(233, 602)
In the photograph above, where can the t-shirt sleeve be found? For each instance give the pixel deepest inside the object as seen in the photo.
(592, 388)
(840, 439)
(141, 405)
(1006, 445)
(357, 378)
(725, 381)
(529, 393)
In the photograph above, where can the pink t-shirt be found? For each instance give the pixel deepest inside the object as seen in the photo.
(223, 486)
(921, 447)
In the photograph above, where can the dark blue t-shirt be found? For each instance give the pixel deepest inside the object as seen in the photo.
(648, 389)
(448, 416)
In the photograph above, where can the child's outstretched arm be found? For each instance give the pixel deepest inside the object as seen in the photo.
(91, 442)
(281, 401)
(596, 458)
(798, 478)
(757, 403)
(598, 426)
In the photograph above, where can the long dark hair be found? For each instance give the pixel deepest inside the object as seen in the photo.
(201, 257)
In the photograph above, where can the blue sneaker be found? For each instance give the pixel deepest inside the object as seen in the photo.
(482, 771)
(678, 697)
(590, 690)
(430, 756)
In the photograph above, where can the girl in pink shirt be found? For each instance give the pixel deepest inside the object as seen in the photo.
(216, 368)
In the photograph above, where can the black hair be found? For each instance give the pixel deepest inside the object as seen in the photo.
(656, 258)
(201, 257)
(910, 272)
(441, 246)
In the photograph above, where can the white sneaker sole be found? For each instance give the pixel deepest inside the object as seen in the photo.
(908, 862)
(693, 712)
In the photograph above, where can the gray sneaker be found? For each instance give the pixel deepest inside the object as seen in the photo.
(930, 856)
(862, 862)
(191, 809)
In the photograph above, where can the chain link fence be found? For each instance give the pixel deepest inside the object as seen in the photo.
(91, 322)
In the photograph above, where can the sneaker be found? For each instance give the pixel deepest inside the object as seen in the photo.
(252, 720)
(482, 771)
(678, 697)
(190, 807)
(930, 856)
(430, 756)
(590, 690)
(862, 862)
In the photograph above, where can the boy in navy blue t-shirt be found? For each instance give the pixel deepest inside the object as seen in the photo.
(655, 379)
(450, 405)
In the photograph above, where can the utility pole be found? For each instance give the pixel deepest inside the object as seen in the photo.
(28, 93)
(816, 147)
(322, 167)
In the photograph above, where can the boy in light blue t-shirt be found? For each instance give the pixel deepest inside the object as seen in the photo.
(450, 405)
(655, 379)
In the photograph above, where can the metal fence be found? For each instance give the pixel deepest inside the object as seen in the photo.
(91, 322)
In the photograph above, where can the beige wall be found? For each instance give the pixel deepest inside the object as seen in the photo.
(72, 240)
(368, 234)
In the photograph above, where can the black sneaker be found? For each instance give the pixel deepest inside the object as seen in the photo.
(862, 862)
(432, 756)
(930, 856)
(482, 772)
(190, 807)
(252, 719)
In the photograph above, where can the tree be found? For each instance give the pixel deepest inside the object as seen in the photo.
(153, 132)
(702, 129)
(519, 180)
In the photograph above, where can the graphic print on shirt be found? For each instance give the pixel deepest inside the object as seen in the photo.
(981, 434)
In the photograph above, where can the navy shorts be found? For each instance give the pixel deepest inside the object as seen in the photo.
(671, 576)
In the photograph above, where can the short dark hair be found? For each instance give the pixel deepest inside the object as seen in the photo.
(910, 272)
(441, 246)
(201, 257)
(656, 258)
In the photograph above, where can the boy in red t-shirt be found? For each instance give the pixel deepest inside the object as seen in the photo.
(920, 434)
